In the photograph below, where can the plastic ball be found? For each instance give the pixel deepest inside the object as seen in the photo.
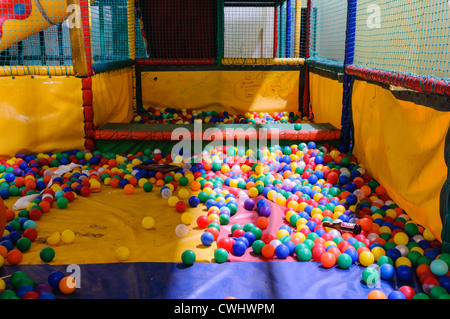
(220, 255)
(193, 201)
(187, 218)
(207, 238)
(128, 189)
(404, 273)
(54, 239)
(407, 291)
(262, 222)
(366, 258)
(180, 206)
(181, 230)
(370, 275)
(401, 238)
(396, 294)
(67, 285)
(257, 246)
(282, 251)
(188, 257)
(47, 254)
(148, 222)
(439, 267)
(67, 236)
(387, 271)
(183, 193)
(14, 257)
(239, 247)
(328, 260)
(62, 202)
(122, 253)
(268, 251)
(376, 294)
(55, 277)
(249, 204)
(202, 221)
(344, 261)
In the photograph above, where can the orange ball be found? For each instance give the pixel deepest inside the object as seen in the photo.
(195, 185)
(366, 224)
(262, 222)
(128, 189)
(3, 251)
(268, 251)
(376, 294)
(67, 285)
(115, 182)
(14, 257)
(328, 260)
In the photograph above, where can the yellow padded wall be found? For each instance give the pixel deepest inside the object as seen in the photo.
(326, 99)
(40, 114)
(402, 146)
(112, 97)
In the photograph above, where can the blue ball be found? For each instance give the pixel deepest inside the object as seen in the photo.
(207, 238)
(239, 247)
(244, 240)
(286, 227)
(404, 273)
(282, 251)
(290, 245)
(352, 253)
(387, 271)
(393, 253)
(445, 282)
(194, 201)
(396, 295)
(22, 290)
(47, 295)
(250, 237)
(4, 193)
(55, 277)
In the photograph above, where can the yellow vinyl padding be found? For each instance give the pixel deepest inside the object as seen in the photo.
(40, 114)
(113, 97)
(236, 92)
(402, 146)
(326, 99)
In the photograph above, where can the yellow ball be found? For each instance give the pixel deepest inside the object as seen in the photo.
(428, 235)
(301, 236)
(253, 192)
(281, 200)
(183, 193)
(293, 204)
(67, 236)
(282, 233)
(378, 252)
(2, 261)
(148, 222)
(173, 200)
(401, 238)
(122, 253)
(384, 229)
(187, 218)
(54, 239)
(289, 214)
(366, 258)
(402, 261)
(213, 216)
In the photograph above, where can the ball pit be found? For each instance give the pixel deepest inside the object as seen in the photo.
(312, 183)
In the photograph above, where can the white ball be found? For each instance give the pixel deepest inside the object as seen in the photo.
(181, 230)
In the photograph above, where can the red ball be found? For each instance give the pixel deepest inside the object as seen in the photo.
(85, 191)
(225, 243)
(180, 206)
(407, 291)
(30, 233)
(202, 221)
(35, 214)
(238, 232)
(317, 253)
(267, 238)
(214, 231)
(31, 295)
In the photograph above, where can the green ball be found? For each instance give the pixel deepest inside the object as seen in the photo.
(298, 127)
(183, 181)
(248, 226)
(8, 294)
(213, 224)
(233, 208)
(421, 295)
(47, 254)
(257, 246)
(16, 277)
(23, 244)
(257, 232)
(188, 257)
(411, 229)
(25, 281)
(370, 276)
(344, 261)
(148, 187)
(236, 226)
(437, 291)
(220, 255)
(224, 219)
(384, 259)
(304, 254)
(62, 202)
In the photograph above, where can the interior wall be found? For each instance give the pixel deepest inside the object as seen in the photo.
(40, 114)
(402, 144)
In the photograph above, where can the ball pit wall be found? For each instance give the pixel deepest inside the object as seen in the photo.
(402, 145)
(40, 114)
(326, 97)
(235, 91)
(113, 97)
